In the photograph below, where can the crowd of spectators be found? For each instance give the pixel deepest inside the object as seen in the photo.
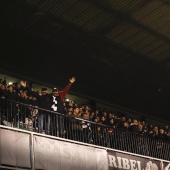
(119, 121)
(90, 113)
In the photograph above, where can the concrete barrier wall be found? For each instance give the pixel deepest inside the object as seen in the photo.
(14, 148)
(21, 149)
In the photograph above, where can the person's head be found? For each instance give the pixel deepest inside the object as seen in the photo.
(143, 122)
(10, 88)
(55, 92)
(123, 118)
(97, 112)
(111, 115)
(44, 91)
(126, 124)
(140, 127)
(76, 110)
(103, 119)
(23, 94)
(75, 105)
(105, 114)
(135, 122)
(80, 109)
(85, 116)
(155, 129)
(98, 128)
(161, 131)
(111, 121)
(92, 114)
(15, 86)
(69, 113)
(87, 111)
(2, 86)
(168, 134)
(96, 119)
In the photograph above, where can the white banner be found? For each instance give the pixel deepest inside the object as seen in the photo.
(102, 161)
(15, 148)
(51, 154)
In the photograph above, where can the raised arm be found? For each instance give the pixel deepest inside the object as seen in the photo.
(65, 90)
(24, 87)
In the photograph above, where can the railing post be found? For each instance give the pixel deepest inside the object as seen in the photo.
(32, 151)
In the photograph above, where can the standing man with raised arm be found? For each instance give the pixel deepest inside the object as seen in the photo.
(57, 105)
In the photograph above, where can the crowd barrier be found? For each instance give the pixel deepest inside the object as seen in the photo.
(24, 150)
(26, 117)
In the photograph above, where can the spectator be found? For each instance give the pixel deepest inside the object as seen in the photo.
(110, 116)
(111, 126)
(124, 127)
(76, 112)
(161, 135)
(23, 110)
(54, 102)
(121, 122)
(140, 128)
(129, 121)
(91, 117)
(166, 129)
(134, 126)
(99, 137)
(103, 120)
(96, 119)
(154, 133)
(97, 113)
(11, 108)
(168, 137)
(86, 129)
(145, 126)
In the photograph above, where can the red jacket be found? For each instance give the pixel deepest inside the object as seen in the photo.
(64, 91)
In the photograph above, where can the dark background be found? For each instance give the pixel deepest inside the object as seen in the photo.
(45, 47)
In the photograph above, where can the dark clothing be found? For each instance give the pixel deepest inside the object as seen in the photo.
(53, 123)
(43, 100)
(47, 101)
(23, 109)
(9, 109)
(124, 129)
(162, 137)
(1, 93)
(134, 129)
(57, 121)
(11, 95)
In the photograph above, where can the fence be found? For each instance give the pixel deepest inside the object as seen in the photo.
(27, 117)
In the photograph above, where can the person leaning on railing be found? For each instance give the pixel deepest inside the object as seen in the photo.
(10, 109)
(43, 102)
(52, 102)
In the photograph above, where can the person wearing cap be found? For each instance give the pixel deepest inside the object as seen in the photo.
(44, 104)
(57, 105)
(46, 101)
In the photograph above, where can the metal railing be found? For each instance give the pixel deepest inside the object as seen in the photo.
(32, 118)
